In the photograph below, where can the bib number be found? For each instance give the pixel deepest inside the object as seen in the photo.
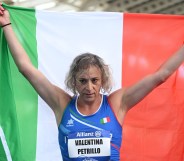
(89, 144)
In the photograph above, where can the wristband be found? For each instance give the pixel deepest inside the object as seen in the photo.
(6, 24)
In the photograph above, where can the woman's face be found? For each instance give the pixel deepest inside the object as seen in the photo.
(89, 83)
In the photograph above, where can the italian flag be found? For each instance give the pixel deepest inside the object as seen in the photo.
(105, 120)
(134, 45)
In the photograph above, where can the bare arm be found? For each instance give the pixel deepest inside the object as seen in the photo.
(126, 98)
(56, 98)
(137, 92)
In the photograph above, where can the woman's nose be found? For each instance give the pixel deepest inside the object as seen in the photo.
(89, 85)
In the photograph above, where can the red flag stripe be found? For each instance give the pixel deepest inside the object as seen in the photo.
(153, 129)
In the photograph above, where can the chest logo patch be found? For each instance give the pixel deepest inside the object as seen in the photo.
(70, 123)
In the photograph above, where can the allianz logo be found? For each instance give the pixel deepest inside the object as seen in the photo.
(82, 134)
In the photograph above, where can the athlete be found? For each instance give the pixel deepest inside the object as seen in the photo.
(89, 122)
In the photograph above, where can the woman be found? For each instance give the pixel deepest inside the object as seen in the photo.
(82, 132)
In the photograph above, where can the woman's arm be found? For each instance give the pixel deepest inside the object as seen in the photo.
(124, 99)
(137, 92)
(56, 98)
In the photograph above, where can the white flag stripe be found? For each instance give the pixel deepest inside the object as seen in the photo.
(62, 36)
(105, 120)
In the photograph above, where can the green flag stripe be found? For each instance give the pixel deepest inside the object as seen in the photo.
(2, 154)
(7, 104)
(5, 155)
(22, 100)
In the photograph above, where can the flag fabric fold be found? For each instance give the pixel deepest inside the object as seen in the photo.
(134, 45)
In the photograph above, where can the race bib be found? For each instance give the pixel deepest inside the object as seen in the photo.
(89, 144)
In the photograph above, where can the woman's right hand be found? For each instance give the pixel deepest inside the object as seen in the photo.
(4, 16)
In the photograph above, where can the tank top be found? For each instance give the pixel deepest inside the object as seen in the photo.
(95, 137)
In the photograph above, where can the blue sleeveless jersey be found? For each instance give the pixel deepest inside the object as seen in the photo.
(95, 137)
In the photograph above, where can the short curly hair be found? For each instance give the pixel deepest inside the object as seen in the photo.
(84, 61)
